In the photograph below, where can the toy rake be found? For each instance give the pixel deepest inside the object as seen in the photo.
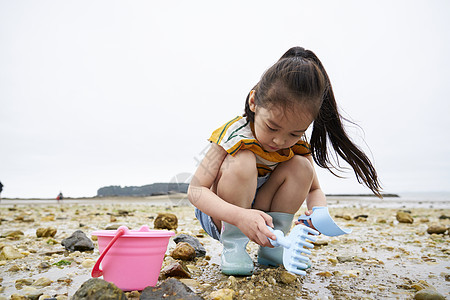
(295, 245)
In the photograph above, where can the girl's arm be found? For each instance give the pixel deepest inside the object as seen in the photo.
(315, 197)
(250, 221)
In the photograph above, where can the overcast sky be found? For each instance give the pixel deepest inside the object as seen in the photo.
(98, 93)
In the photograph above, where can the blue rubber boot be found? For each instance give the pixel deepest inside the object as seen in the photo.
(274, 256)
(235, 259)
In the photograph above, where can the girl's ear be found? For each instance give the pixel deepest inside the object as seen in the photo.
(251, 101)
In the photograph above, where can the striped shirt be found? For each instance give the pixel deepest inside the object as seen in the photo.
(237, 134)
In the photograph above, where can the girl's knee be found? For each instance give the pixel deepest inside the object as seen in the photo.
(240, 166)
(300, 166)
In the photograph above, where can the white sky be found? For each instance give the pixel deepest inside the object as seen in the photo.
(97, 93)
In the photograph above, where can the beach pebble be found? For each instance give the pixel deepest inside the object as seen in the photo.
(404, 217)
(122, 212)
(438, 229)
(65, 279)
(48, 218)
(320, 242)
(175, 269)
(420, 285)
(192, 284)
(78, 241)
(333, 260)
(287, 277)
(170, 288)
(325, 274)
(361, 216)
(14, 268)
(381, 220)
(46, 232)
(428, 294)
(345, 217)
(344, 259)
(14, 234)
(166, 221)
(133, 295)
(96, 288)
(9, 252)
(350, 273)
(183, 251)
(193, 241)
(88, 263)
(113, 227)
(44, 265)
(24, 218)
(222, 294)
(19, 283)
(43, 281)
(32, 293)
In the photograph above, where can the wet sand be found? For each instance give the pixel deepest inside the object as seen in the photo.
(381, 258)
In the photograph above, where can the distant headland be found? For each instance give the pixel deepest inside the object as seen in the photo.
(154, 189)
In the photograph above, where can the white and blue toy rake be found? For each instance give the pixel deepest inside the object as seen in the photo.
(295, 244)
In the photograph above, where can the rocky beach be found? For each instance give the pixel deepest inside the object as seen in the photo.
(399, 249)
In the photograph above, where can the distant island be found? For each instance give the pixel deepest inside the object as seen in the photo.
(387, 195)
(154, 189)
(164, 188)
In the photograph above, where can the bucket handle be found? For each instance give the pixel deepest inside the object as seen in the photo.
(96, 271)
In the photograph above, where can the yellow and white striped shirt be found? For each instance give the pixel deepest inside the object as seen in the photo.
(238, 134)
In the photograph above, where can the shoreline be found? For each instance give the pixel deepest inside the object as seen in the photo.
(438, 200)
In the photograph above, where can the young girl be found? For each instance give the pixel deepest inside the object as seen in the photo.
(259, 169)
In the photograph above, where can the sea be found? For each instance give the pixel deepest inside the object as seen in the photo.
(438, 200)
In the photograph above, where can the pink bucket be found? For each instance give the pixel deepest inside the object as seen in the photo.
(131, 259)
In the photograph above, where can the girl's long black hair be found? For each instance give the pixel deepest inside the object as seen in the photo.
(299, 76)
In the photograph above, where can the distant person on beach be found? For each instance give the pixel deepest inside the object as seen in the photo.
(1, 189)
(259, 168)
(60, 197)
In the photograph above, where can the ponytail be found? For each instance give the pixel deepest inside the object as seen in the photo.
(328, 125)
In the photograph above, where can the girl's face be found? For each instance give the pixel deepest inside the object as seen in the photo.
(276, 129)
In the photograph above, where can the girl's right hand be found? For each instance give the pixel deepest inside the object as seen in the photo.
(252, 223)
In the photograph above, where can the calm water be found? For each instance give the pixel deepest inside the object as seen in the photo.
(406, 200)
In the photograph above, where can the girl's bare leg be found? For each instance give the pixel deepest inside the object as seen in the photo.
(281, 196)
(237, 180)
(287, 187)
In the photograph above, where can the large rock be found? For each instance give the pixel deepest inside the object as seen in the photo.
(428, 294)
(169, 289)
(96, 288)
(175, 269)
(183, 251)
(46, 232)
(437, 229)
(193, 241)
(78, 241)
(166, 221)
(404, 217)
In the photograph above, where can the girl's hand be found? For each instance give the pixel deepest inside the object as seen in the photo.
(253, 223)
(308, 213)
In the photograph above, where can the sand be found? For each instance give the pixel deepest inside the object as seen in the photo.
(381, 258)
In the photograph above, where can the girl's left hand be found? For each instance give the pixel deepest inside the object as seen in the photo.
(308, 213)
